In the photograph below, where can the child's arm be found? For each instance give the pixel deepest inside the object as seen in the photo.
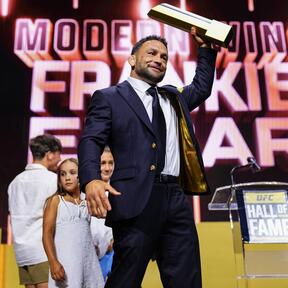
(49, 223)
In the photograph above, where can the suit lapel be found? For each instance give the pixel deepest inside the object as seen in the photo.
(135, 103)
(173, 93)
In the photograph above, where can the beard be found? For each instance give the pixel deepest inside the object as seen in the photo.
(148, 76)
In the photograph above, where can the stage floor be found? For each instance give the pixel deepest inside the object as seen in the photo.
(218, 267)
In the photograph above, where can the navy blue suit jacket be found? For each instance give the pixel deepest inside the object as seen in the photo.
(117, 117)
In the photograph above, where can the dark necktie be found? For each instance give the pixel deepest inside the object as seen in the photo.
(159, 127)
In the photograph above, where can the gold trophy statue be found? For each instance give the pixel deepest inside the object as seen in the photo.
(214, 31)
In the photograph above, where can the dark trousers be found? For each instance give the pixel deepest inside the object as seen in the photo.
(164, 230)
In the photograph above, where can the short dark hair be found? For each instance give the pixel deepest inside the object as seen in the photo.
(138, 44)
(42, 144)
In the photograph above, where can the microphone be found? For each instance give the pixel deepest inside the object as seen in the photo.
(252, 164)
(256, 167)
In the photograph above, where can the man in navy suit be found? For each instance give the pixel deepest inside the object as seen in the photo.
(157, 161)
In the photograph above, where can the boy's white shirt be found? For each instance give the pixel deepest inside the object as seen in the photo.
(27, 194)
(101, 235)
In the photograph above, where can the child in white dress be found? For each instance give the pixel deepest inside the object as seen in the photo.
(66, 234)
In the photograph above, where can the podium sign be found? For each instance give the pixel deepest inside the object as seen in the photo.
(258, 213)
(266, 216)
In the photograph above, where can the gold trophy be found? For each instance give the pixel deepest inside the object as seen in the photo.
(214, 31)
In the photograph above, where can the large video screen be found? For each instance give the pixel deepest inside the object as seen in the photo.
(55, 54)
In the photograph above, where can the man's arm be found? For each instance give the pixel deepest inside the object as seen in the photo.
(95, 136)
(200, 88)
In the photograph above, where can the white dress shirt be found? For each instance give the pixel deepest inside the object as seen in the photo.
(101, 235)
(172, 156)
(27, 195)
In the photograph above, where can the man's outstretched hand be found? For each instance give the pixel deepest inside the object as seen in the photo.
(97, 201)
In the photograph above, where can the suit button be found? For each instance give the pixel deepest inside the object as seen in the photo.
(152, 168)
(153, 145)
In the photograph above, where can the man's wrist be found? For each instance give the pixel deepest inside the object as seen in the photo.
(205, 45)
